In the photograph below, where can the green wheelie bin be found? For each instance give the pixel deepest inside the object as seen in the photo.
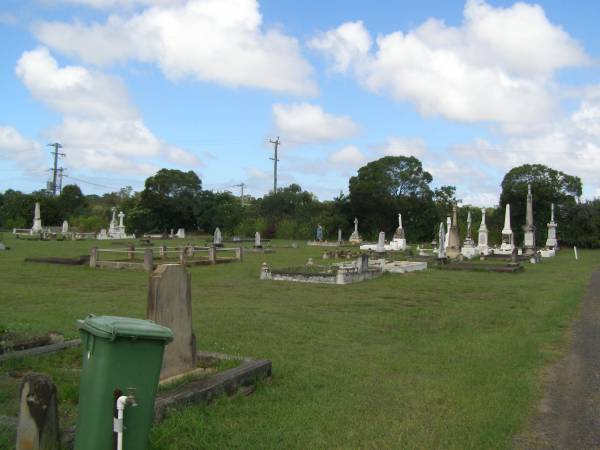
(121, 357)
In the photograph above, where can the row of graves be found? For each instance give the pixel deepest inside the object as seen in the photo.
(124, 361)
(374, 259)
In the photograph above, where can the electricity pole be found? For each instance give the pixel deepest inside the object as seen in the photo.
(56, 154)
(241, 185)
(61, 171)
(275, 160)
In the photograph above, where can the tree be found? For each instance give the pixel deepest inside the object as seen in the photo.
(71, 201)
(170, 197)
(547, 185)
(392, 185)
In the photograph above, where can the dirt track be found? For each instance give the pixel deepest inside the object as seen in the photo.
(569, 413)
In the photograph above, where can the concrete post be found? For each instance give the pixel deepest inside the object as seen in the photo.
(148, 260)
(239, 254)
(130, 252)
(93, 257)
(38, 414)
(212, 254)
(182, 256)
(162, 251)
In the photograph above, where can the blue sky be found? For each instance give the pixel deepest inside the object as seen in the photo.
(471, 88)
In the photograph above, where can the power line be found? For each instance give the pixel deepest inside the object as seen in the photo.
(275, 160)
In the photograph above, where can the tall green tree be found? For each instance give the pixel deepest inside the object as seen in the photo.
(392, 185)
(547, 185)
(171, 199)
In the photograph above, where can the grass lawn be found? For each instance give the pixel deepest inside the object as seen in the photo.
(434, 359)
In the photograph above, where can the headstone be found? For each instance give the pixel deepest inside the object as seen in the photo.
(257, 243)
(482, 240)
(381, 243)
(112, 227)
(171, 234)
(180, 233)
(355, 237)
(453, 247)
(38, 414)
(362, 263)
(339, 235)
(442, 242)
(121, 217)
(448, 226)
(507, 234)
(65, 227)
(399, 239)
(319, 234)
(37, 219)
(170, 304)
(575, 253)
(551, 241)
(529, 227)
(468, 249)
(217, 238)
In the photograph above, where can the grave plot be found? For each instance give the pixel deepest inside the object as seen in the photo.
(146, 259)
(187, 376)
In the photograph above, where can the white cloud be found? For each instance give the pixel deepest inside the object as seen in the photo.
(304, 123)
(221, 41)
(26, 153)
(106, 4)
(497, 66)
(348, 155)
(101, 130)
(571, 145)
(396, 146)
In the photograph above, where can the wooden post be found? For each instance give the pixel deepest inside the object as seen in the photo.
(182, 256)
(93, 257)
(38, 414)
(212, 254)
(239, 253)
(130, 252)
(148, 260)
(163, 251)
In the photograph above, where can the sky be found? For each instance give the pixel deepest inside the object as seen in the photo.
(472, 89)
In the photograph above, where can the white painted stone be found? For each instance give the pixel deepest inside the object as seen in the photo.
(507, 234)
(37, 220)
(551, 241)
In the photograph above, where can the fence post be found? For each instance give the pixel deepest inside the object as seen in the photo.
(93, 257)
(148, 260)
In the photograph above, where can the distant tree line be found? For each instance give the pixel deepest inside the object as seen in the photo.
(381, 189)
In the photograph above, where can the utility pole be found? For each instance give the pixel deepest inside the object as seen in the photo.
(61, 171)
(241, 185)
(275, 160)
(56, 154)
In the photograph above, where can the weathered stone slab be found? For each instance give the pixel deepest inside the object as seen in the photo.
(37, 428)
(170, 304)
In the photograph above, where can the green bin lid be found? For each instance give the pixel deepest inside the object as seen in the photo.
(111, 327)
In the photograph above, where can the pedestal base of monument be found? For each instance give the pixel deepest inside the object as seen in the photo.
(505, 251)
(321, 244)
(548, 253)
(469, 252)
(401, 266)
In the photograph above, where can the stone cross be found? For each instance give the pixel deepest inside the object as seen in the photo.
(38, 414)
(121, 217)
(170, 304)
(399, 220)
(356, 225)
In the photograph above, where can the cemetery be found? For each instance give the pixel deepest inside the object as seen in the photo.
(221, 340)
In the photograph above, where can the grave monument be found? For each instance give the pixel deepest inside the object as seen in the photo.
(257, 243)
(453, 247)
(469, 250)
(381, 243)
(399, 240)
(355, 237)
(529, 227)
(447, 229)
(507, 234)
(217, 238)
(319, 234)
(482, 241)
(551, 241)
(442, 242)
(170, 304)
(37, 220)
(65, 227)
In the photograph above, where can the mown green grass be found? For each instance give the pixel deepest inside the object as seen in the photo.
(437, 359)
